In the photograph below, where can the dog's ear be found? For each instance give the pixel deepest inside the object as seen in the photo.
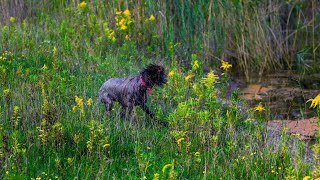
(160, 69)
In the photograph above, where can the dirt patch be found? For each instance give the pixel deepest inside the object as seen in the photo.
(304, 129)
(284, 95)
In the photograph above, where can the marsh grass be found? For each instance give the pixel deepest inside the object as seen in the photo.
(55, 60)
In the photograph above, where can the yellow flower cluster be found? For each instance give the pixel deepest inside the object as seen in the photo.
(194, 62)
(306, 178)
(44, 67)
(89, 102)
(152, 18)
(79, 102)
(179, 141)
(171, 73)
(315, 102)
(82, 5)
(195, 65)
(76, 138)
(106, 146)
(54, 51)
(225, 65)
(210, 79)
(188, 77)
(110, 34)
(156, 176)
(123, 19)
(5, 55)
(12, 19)
(259, 108)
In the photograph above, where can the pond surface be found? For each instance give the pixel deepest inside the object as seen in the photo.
(284, 95)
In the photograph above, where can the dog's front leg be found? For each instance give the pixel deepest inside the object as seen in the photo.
(147, 110)
(151, 114)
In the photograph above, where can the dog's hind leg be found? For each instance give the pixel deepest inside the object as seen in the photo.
(128, 114)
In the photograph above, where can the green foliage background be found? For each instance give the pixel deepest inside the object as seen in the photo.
(55, 51)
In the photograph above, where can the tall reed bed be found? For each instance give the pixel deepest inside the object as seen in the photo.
(258, 36)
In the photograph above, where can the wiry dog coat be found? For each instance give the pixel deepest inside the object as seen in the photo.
(132, 91)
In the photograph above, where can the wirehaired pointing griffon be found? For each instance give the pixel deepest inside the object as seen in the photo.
(132, 91)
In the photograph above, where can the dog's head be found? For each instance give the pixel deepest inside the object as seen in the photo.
(154, 75)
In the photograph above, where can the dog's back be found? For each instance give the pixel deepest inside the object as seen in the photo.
(117, 89)
(109, 88)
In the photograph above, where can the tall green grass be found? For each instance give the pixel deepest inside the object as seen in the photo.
(55, 55)
(258, 36)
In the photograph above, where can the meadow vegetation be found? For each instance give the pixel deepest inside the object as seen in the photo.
(55, 55)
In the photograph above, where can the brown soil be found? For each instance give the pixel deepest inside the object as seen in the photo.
(284, 95)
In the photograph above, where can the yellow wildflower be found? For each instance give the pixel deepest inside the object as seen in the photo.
(225, 65)
(306, 178)
(118, 12)
(249, 120)
(74, 108)
(6, 92)
(89, 102)
(187, 78)
(156, 176)
(127, 37)
(315, 102)
(12, 19)
(179, 141)
(152, 18)
(70, 161)
(122, 22)
(83, 5)
(16, 109)
(54, 51)
(197, 154)
(295, 135)
(253, 153)
(171, 73)
(259, 108)
(79, 101)
(126, 12)
(105, 146)
(76, 138)
(113, 39)
(166, 167)
(195, 65)
(44, 67)
(210, 79)
(123, 27)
